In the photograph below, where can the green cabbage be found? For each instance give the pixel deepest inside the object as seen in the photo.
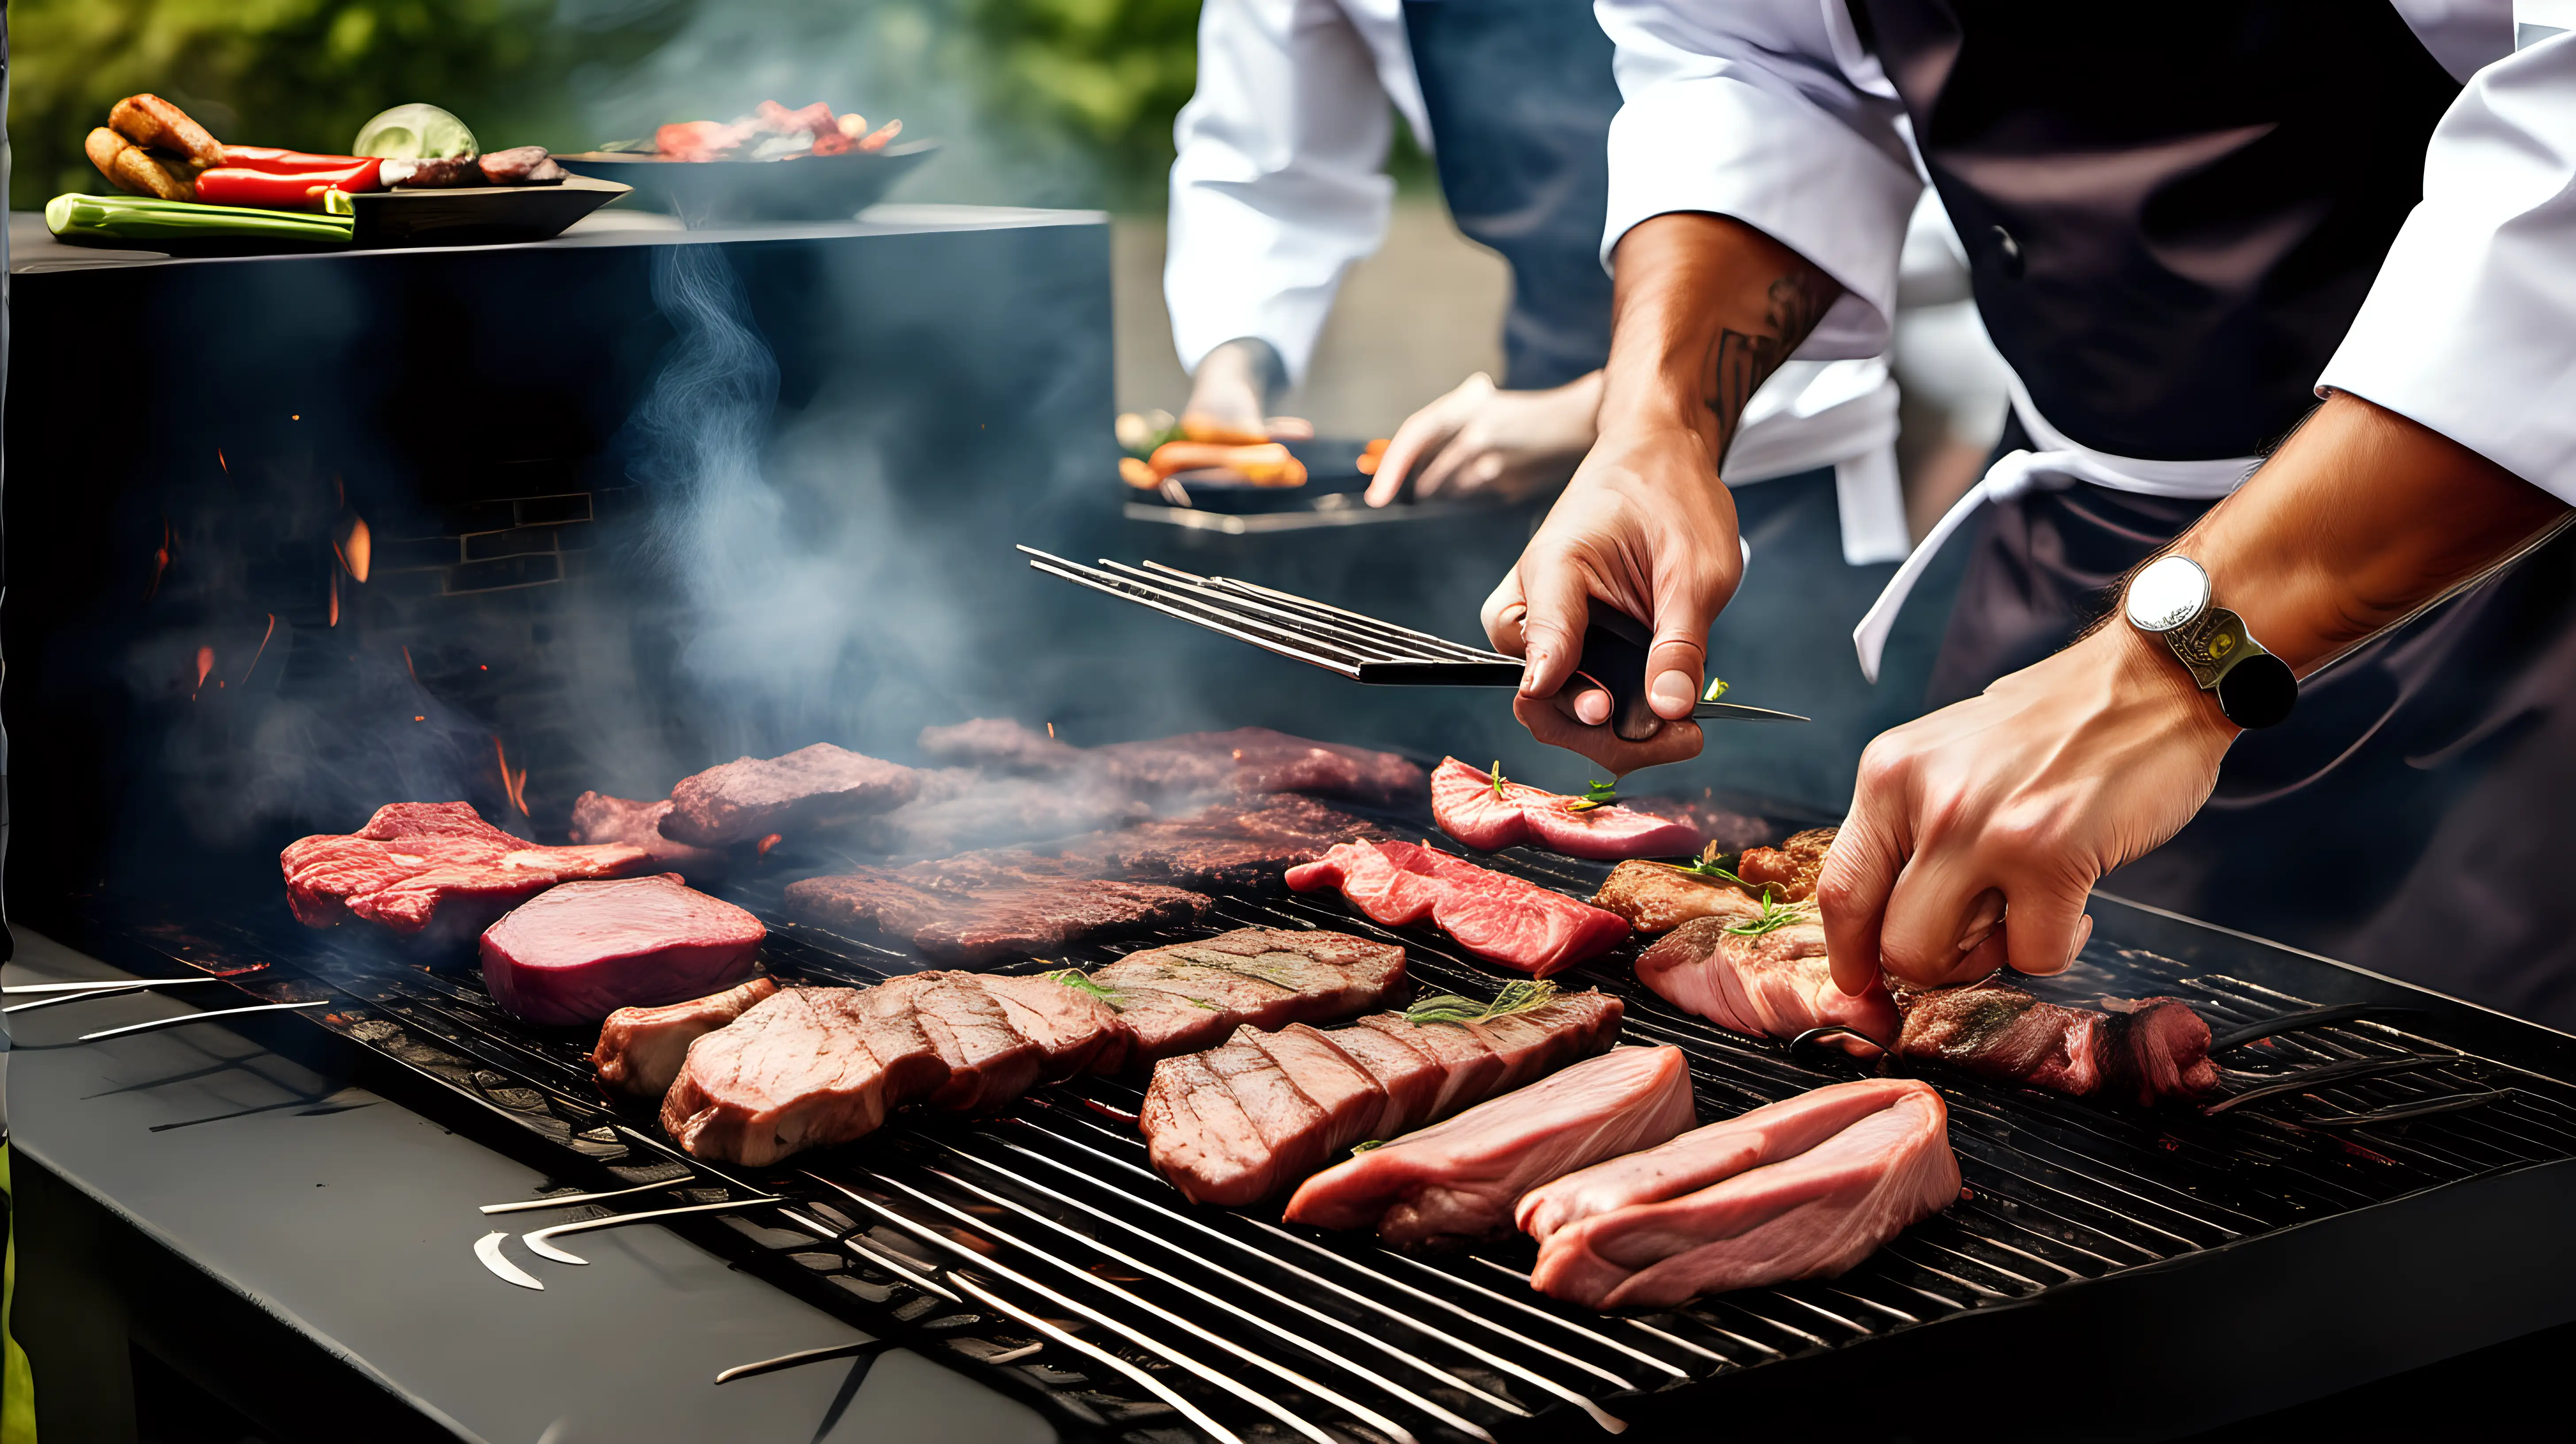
(414, 132)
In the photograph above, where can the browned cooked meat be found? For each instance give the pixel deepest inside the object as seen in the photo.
(2143, 1051)
(1191, 995)
(989, 1061)
(1657, 898)
(960, 808)
(989, 924)
(640, 1049)
(1256, 759)
(806, 1068)
(598, 817)
(1001, 745)
(811, 787)
(1234, 847)
(1790, 869)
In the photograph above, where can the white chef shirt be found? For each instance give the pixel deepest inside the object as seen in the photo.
(1280, 184)
(1771, 112)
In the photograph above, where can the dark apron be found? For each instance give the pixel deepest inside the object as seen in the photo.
(2194, 214)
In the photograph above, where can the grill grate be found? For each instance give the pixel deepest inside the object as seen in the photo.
(1044, 1227)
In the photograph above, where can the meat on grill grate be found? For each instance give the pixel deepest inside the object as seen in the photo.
(1458, 1181)
(1489, 812)
(2141, 1051)
(640, 1049)
(1795, 1190)
(1775, 983)
(598, 817)
(1235, 847)
(1246, 760)
(811, 787)
(812, 1067)
(1236, 1124)
(435, 870)
(1656, 898)
(1001, 745)
(577, 953)
(1788, 872)
(1502, 918)
(960, 808)
(987, 924)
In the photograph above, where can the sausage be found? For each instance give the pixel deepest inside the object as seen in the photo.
(130, 169)
(522, 165)
(456, 170)
(156, 124)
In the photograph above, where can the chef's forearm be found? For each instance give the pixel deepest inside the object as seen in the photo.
(1707, 309)
(2360, 518)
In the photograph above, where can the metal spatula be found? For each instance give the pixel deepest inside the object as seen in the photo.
(1381, 653)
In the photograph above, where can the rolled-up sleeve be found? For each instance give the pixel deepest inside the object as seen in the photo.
(1749, 109)
(2470, 328)
(1279, 183)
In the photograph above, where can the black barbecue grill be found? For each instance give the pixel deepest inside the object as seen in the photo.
(1038, 1248)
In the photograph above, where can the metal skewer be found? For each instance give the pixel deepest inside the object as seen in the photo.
(199, 1018)
(16, 988)
(852, 1349)
(100, 990)
(571, 1200)
(538, 1244)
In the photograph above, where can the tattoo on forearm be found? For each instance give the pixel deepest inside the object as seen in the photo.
(1740, 362)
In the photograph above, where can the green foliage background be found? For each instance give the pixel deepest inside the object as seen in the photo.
(1037, 101)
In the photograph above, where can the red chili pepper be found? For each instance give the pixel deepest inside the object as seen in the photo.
(270, 160)
(295, 191)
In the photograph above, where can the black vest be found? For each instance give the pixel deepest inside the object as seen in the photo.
(1520, 96)
(2173, 210)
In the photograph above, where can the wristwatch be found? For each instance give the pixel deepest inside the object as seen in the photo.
(2170, 599)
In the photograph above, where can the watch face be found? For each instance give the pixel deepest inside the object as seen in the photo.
(2258, 692)
(2171, 591)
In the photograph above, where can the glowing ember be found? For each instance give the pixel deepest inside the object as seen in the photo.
(515, 783)
(1050, 732)
(335, 599)
(766, 844)
(356, 549)
(205, 663)
(219, 461)
(408, 667)
(160, 560)
(263, 649)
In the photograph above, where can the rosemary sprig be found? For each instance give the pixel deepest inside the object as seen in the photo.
(1774, 917)
(1497, 776)
(1600, 794)
(1711, 864)
(1080, 981)
(1518, 996)
(1359, 1148)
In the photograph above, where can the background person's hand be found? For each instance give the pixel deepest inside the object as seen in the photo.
(1481, 439)
(1645, 528)
(1230, 393)
(1977, 833)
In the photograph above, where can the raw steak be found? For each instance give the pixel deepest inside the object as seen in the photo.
(434, 870)
(1192, 995)
(1497, 917)
(1479, 811)
(1777, 984)
(1798, 1190)
(812, 787)
(577, 953)
(1656, 898)
(1236, 1124)
(2141, 1051)
(598, 817)
(989, 924)
(640, 1049)
(1459, 1181)
(805, 1068)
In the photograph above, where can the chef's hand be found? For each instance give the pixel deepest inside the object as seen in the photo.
(1645, 528)
(1482, 439)
(1977, 832)
(2014, 804)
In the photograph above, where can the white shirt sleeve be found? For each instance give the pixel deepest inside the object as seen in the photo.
(1279, 183)
(1770, 112)
(2471, 327)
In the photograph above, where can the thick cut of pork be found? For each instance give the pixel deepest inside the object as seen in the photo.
(1075, 1030)
(812, 787)
(805, 1068)
(990, 1063)
(1483, 813)
(640, 1050)
(986, 925)
(1459, 1181)
(1797, 1190)
(1193, 995)
(1256, 759)
(598, 817)
(2141, 1051)
(1656, 898)
(434, 870)
(577, 953)
(1495, 916)
(1776, 984)
(1240, 1122)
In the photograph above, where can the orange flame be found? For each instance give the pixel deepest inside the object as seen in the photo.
(335, 599)
(205, 664)
(219, 461)
(160, 560)
(766, 844)
(262, 652)
(515, 783)
(408, 667)
(1050, 732)
(360, 547)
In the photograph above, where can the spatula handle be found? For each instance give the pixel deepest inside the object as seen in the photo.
(1614, 655)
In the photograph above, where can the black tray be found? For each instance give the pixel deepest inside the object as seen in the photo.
(476, 215)
(799, 188)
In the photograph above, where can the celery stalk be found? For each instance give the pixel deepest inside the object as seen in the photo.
(146, 218)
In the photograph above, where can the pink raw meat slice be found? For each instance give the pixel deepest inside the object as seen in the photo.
(1460, 1180)
(579, 952)
(1497, 917)
(433, 870)
(1482, 813)
(1797, 1190)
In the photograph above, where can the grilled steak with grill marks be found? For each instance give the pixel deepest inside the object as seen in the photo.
(640, 1049)
(811, 787)
(1237, 1123)
(1458, 1181)
(1655, 898)
(805, 1068)
(989, 924)
(1191, 995)
(1776, 983)
(2141, 1051)
(435, 870)
(1232, 847)
(1256, 759)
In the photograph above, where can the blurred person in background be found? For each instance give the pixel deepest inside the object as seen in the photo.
(1280, 185)
(2183, 232)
